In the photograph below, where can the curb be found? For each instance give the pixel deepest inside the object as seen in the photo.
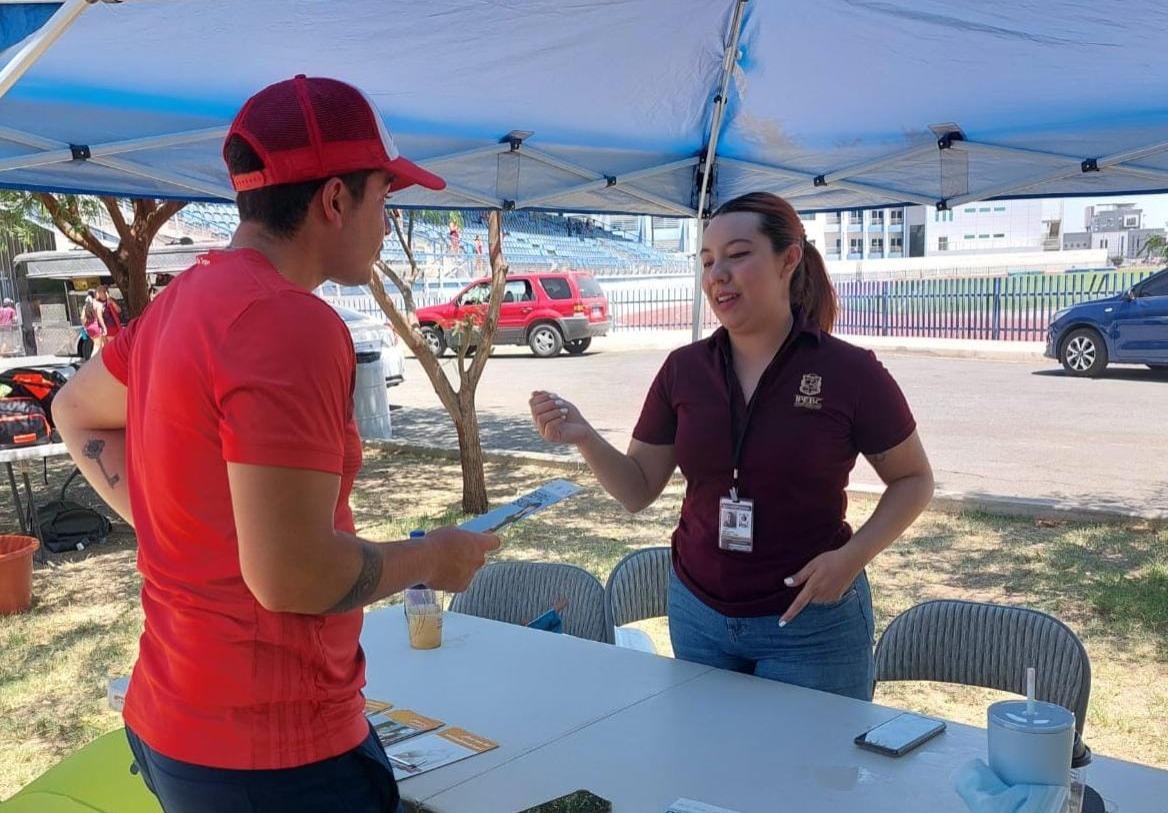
(949, 502)
(666, 340)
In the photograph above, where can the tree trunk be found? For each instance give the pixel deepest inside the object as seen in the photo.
(470, 449)
(137, 289)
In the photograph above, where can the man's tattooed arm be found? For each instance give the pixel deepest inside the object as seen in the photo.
(365, 586)
(93, 450)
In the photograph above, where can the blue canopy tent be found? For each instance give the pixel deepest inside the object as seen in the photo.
(637, 106)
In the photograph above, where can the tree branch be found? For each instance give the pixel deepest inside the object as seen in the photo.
(499, 269)
(159, 216)
(115, 213)
(64, 217)
(406, 327)
(402, 286)
(406, 240)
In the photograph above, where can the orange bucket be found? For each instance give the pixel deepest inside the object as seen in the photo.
(16, 573)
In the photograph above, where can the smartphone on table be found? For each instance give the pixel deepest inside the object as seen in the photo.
(901, 734)
(580, 801)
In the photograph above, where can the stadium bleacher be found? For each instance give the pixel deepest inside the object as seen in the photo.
(532, 241)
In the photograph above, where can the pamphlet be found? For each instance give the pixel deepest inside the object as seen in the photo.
(400, 724)
(548, 494)
(375, 706)
(690, 806)
(433, 750)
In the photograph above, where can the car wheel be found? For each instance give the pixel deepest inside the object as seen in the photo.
(577, 346)
(1084, 353)
(545, 341)
(434, 340)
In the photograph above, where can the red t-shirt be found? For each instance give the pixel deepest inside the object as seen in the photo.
(819, 404)
(234, 363)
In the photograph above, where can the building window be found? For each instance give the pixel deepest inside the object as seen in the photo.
(897, 217)
(999, 236)
(971, 210)
(942, 244)
(984, 209)
(896, 243)
(971, 237)
(837, 245)
(878, 217)
(878, 245)
(983, 237)
(999, 208)
(856, 245)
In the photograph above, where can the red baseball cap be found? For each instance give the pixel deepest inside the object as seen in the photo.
(308, 128)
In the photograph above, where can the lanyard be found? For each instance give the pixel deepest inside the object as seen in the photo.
(738, 439)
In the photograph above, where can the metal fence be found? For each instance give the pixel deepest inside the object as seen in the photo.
(1009, 308)
(1016, 308)
(655, 309)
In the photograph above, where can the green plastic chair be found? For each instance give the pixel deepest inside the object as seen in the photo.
(96, 778)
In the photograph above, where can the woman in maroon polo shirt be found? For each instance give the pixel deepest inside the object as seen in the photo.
(766, 418)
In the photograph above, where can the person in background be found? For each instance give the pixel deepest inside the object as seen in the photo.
(455, 238)
(766, 419)
(111, 313)
(10, 338)
(92, 323)
(220, 424)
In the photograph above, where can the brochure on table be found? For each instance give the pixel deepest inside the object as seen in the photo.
(413, 742)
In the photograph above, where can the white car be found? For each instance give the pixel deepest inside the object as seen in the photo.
(370, 334)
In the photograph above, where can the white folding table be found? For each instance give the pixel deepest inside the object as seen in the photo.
(642, 730)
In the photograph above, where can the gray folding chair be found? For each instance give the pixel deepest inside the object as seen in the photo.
(637, 589)
(519, 592)
(990, 645)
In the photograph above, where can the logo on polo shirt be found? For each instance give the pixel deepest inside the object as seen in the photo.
(810, 386)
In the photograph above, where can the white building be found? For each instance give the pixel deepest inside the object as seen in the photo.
(998, 227)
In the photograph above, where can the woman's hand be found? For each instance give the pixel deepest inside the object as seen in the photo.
(557, 420)
(824, 579)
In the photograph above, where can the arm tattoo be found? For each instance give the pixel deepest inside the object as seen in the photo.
(365, 587)
(93, 450)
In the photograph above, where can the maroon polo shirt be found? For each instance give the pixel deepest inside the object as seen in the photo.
(820, 403)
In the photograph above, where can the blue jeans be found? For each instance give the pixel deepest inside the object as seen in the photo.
(826, 647)
(358, 781)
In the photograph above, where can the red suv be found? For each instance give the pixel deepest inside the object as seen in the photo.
(548, 311)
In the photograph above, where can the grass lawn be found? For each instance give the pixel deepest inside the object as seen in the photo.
(1109, 582)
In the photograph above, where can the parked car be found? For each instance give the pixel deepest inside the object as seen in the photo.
(370, 334)
(548, 311)
(1128, 328)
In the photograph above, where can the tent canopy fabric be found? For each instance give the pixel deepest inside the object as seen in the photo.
(612, 104)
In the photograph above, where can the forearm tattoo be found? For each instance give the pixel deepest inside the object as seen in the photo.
(94, 447)
(365, 587)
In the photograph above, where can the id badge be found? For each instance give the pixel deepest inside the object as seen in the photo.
(736, 525)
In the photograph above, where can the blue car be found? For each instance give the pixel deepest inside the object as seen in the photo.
(1128, 328)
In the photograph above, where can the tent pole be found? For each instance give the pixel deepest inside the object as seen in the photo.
(729, 60)
(40, 42)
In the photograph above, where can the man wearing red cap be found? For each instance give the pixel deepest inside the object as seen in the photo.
(220, 425)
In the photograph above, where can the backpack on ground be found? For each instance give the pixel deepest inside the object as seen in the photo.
(23, 422)
(66, 525)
